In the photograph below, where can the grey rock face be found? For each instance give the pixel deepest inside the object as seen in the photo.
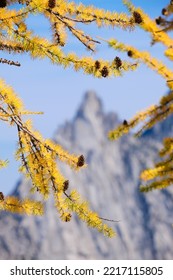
(111, 184)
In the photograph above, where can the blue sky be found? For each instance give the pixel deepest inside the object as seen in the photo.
(58, 92)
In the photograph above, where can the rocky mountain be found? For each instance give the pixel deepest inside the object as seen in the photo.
(111, 184)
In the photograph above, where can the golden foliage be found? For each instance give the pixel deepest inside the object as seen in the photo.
(37, 155)
(161, 176)
(27, 206)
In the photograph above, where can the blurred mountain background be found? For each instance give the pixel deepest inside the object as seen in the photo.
(111, 184)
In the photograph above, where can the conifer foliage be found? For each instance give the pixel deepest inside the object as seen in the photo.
(37, 155)
(161, 176)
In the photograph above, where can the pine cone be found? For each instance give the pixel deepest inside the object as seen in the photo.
(104, 72)
(52, 4)
(81, 161)
(118, 62)
(137, 17)
(3, 3)
(130, 53)
(97, 64)
(66, 185)
(1, 196)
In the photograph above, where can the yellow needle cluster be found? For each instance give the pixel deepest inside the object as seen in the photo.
(38, 162)
(161, 176)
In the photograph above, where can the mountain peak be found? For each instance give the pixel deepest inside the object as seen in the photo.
(91, 107)
(90, 119)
